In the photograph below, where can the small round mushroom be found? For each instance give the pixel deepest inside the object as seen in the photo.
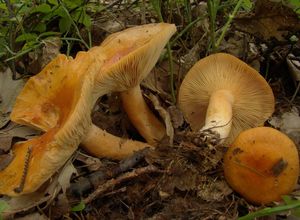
(223, 95)
(37, 159)
(262, 164)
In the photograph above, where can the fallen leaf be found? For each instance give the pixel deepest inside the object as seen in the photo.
(271, 20)
(50, 50)
(65, 176)
(165, 116)
(9, 90)
(212, 190)
(92, 163)
(15, 130)
(176, 116)
(288, 123)
(33, 216)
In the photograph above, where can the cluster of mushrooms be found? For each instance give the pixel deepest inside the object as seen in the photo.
(221, 97)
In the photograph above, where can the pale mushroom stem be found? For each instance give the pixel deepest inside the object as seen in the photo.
(102, 144)
(141, 116)
(219, 113)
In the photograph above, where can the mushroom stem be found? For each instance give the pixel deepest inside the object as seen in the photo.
(141, 116)
(219, 113)
(102, 144)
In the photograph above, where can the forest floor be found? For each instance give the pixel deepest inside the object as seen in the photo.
(180, 179)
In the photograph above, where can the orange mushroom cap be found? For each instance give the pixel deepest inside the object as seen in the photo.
(222, 93)
(262, 164)
(36, 160)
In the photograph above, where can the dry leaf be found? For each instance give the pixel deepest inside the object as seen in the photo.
(213, 190)
(9, 90)
(289, 123)
(65, 176)
(33, 216)
(176, 116)
(165, 116)
(50, 50)
(15, 130)
(271, 20)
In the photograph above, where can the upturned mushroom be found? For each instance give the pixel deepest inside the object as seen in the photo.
(131, 54)
(222, 96)
(262, 164)
(112, 76)
(37, 159)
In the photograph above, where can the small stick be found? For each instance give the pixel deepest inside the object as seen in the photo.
(95, 179)
(126, 176)
(25, 170)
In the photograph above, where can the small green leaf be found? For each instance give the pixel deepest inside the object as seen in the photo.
(53, 2)
(49, 33)
(247, 5)
(71, 4)
(26, 37)
(40, 27)
(87, 21)
(64, 24)
(3, 6)
(42, 8)
(79, 207)
(3, 206)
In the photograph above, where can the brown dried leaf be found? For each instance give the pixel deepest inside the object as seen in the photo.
(9, 90)
(165, 116)
(270, 20)
(33, 216)
(15, 130)
(92, 163)
(176, 116)
(50, 50)
(213, 190)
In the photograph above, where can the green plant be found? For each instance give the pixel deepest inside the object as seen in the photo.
(213, 7)
(79, 207)
(292, 205)
(24, 25)
(3, 206)
(156, 4)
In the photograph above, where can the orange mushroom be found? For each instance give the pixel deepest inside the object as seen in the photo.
(262, 164)
(113, 75)
(224, 95)
(131, 54)
(37, 159)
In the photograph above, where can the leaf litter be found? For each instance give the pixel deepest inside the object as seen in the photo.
(180, 179)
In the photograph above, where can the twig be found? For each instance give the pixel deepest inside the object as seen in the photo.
(98, 177)
(112, 182)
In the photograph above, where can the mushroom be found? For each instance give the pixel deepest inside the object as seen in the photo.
(113, 75)
(37, 159)
(262, 164)
(131, 54)
(222, 96)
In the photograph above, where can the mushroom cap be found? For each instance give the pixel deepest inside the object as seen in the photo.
(130, 55)
(123, 60)
(42, 102)
(253, 97)
(262, 164)
(70, 105)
